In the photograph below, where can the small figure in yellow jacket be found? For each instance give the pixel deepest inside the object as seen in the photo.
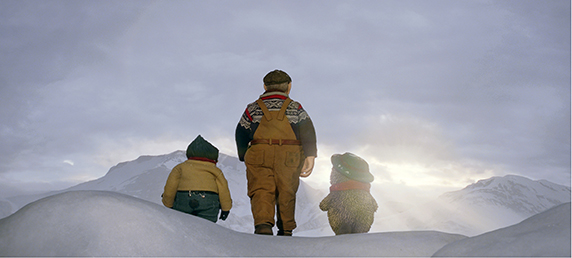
(197, 186)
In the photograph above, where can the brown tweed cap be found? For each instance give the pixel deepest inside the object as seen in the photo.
(276, 77)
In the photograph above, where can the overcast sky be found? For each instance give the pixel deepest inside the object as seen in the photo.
(430, 93)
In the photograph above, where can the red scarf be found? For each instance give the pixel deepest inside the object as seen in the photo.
(202, 159)
(350, 185)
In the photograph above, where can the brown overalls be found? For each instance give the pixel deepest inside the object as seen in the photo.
(273, 164)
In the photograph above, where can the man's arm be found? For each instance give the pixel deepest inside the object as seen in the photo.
(242, 138)
(307, 136)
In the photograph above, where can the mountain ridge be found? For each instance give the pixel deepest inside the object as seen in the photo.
(480, 207)
(521, 194)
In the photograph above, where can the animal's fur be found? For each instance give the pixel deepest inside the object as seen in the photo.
(349, 211)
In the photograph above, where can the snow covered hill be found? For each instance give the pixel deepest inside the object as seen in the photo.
(145, 178)
(544, 234)
(500, 201)
(483, 206)
(104, 223)
(515, 193)
(5, 208)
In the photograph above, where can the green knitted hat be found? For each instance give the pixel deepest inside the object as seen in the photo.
(352, 166)
(200, 148)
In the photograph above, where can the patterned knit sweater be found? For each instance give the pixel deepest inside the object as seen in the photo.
(299, 120)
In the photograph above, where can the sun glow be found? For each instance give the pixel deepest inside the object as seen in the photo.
(405, 173)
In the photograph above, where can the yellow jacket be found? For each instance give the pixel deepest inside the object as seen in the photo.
(196, 175)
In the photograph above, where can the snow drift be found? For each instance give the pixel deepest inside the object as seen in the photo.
(102, 223)
(98, 223)
(544, 234)
(484, 206)
(145, 178)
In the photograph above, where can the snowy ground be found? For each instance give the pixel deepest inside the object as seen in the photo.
(101, 223)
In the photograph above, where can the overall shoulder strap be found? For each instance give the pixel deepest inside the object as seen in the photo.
(264, 109)
(282, 112)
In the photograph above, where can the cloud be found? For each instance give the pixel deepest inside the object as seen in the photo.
(454, 90)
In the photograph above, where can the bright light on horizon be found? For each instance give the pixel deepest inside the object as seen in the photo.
(399, 174)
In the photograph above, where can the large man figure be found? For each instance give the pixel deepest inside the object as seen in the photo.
(277, 141)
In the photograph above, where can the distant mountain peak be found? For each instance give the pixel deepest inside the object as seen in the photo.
(499, 180)
(517, 193)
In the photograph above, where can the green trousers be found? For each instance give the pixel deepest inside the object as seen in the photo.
(199, 203)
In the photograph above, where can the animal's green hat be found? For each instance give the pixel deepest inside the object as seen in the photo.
(200, 148)
(352, 166)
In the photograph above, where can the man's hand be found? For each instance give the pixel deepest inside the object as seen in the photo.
(308, 166)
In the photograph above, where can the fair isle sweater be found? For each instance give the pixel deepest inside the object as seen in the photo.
(299, 120)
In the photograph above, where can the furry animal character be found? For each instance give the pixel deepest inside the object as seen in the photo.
(350, 206)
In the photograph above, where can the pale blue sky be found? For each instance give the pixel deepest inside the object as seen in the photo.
(430, 93)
